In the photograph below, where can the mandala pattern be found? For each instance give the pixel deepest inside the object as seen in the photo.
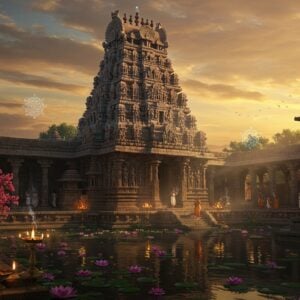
(34, 106)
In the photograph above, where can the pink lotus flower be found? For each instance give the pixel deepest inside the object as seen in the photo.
(48, 277)
(63, 245)
(160, 253)
(101, 263)
(178, 231)
(40, 247)
(155, 248)
(271, 264)
(233, 281)
(63, 292)
(84, 273)
(244, 232)
(61, 253)
(157, 291)
(135, 269)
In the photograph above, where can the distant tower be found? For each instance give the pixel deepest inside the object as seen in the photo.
(138, 107)
(136, 97)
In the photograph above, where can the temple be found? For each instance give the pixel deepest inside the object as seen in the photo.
(138, 144)
(138, 141)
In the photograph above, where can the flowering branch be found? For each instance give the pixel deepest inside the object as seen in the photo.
(6, 190)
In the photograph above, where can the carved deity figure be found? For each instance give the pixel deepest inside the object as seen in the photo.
(123, 89)
(125, 175)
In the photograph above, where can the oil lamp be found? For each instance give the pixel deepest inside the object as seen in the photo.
(31, 239)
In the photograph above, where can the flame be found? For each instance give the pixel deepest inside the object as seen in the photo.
(47, 235)
(82, 204)
(147, 205)
(218, 205)
(32, 234)
(14, 266)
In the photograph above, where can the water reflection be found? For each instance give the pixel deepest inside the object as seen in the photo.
(191, 254)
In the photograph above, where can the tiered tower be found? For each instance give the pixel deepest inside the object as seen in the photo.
(138, 124)
(136, 99)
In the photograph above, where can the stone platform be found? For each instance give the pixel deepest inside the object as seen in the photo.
(164, 218)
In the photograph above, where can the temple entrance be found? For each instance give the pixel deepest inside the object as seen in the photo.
(169, 183)
(164, 183)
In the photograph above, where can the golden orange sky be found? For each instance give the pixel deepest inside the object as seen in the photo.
(238, 61)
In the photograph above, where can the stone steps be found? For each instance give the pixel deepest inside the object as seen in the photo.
(187, 219)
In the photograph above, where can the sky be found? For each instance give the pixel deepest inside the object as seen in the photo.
(238, 61)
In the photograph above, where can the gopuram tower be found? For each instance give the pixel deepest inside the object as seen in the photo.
(138, 127)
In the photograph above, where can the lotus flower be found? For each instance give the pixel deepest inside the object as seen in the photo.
(244, 232)
(234, 281)
(48, 277)
(135, 269)
(40, 246)
(177, 231)
(101, 263)
(63, 292)
(155, 249)
(84, 273)
(271, 264)
(61, 253)
(160, 253)
(63, 245)
(157, 291)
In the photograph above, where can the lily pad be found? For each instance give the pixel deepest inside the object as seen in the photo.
(188, 285)
(120, 283)
(292, 285)
(219, 268)
(96, 283)
(241, 288)
(130, 290)
(235, 265)
(90, 296)
(146, 280)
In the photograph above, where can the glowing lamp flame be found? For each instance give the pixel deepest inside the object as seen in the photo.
(82, 204)
(218, 205)
(32, 234)
(14, 266)
(147, 205)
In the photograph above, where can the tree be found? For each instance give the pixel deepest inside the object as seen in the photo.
(6, 190)
(251, 143)
(62, 131)
(287, 137)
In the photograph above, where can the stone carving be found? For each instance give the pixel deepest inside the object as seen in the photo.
(145, 80)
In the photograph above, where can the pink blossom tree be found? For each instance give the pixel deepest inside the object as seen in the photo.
(6, 194)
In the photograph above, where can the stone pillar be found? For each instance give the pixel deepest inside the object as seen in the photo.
(154, 164)
(293, 185)
(204, 169)
(45, 165)
(236, 186)
(254, 194)
(16, 163)
(118, 171)
(272, 183)
(183, 181)
(211, 185)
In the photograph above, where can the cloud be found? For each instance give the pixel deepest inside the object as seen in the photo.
(19, 125)
(223, 91)
(38, 81)
(9, 104)
(20, 48)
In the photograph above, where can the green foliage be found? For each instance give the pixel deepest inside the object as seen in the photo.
(65, 131)
(286, 137)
